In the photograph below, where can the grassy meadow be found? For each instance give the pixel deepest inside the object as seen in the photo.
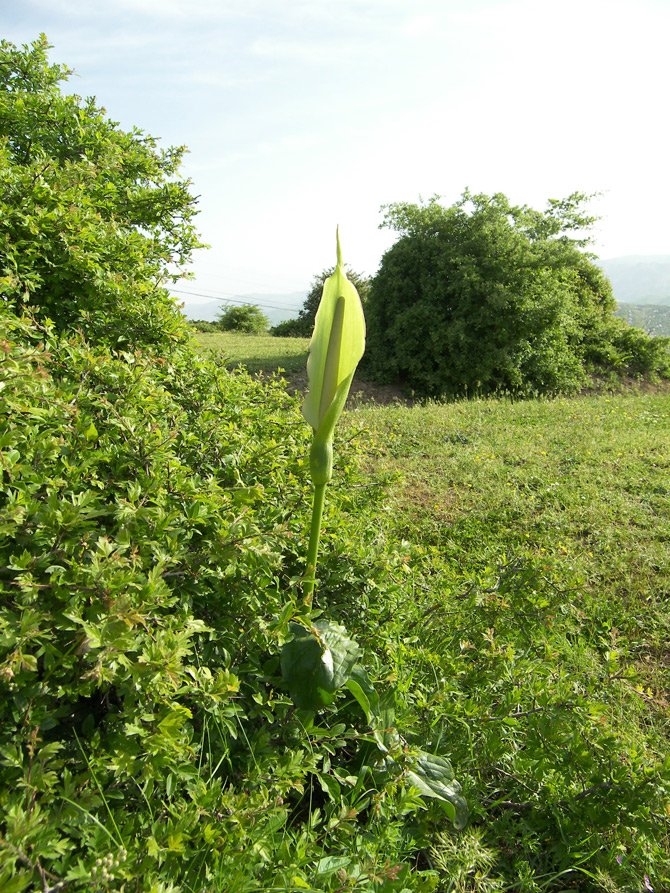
(258, 353)
(528, 629)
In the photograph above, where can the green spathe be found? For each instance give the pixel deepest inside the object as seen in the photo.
(337, 345)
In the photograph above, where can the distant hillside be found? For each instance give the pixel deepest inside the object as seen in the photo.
(639, 279)
(653, 318)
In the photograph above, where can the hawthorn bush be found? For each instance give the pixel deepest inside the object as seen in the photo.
(248, 318)
(91, 217)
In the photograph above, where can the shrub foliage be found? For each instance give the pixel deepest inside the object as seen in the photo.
(150, 514)
(243, 318)
(486, 296)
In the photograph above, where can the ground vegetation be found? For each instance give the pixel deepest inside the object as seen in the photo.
(246, 318)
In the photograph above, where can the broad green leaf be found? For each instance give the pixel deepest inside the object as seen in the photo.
(303, 669)
(316, 662)
(383, 723)
(358, 693)
(337, 346)
(345, 653)
(331, 787)
(434, 777)
(17, 883)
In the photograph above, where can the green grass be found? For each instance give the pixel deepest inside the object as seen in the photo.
(585, 480)
(530, 635)
(258, 353)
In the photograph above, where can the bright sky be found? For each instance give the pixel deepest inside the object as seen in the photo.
(302, 114)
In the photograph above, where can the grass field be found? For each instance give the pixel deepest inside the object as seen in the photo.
(258, 353)
(534, 633)
(528, 632)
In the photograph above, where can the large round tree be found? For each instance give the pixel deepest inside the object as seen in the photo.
(484, 296)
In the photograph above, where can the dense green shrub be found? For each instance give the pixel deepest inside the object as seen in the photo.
(290, 328)
(150, 517)
(91, 217)
(484, 296)
(246, 318)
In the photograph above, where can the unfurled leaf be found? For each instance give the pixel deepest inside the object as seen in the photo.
(363, 690)
(331, 864)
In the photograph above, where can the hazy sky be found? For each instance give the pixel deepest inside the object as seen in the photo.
(302, 114)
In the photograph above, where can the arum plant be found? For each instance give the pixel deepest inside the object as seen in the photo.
(338, 343)
(318, 659)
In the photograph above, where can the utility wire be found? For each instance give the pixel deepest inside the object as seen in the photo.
(229, 296)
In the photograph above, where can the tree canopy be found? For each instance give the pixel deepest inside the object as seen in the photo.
(248, 318)
(93, 219)
(302, 326)
(486, 296)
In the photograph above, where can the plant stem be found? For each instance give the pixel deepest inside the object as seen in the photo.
(314, 536)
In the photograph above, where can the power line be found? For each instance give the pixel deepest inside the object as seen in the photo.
(229, 296)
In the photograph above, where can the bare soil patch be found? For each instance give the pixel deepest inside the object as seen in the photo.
(361, 391)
